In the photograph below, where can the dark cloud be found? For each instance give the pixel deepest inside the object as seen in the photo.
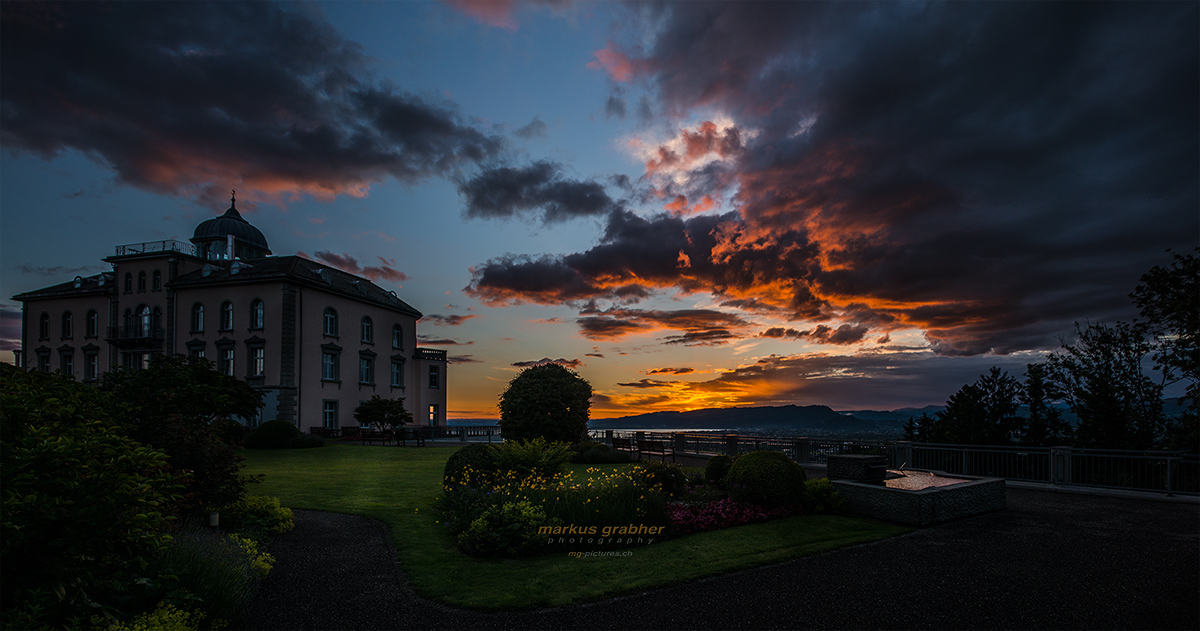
(192, 98)
(594, 355)
(565, 363)
(463, 359)
(670, 371)
(441, 341)
(614, 107)
(646, 383)
(987, 173)
(505, 192)
(535, 129)
(698, 326)
(446, 320)
(386, 269)
(10, 328)
(59, 270)
(822, 334)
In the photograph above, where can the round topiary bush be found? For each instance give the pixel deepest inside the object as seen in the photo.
(479, 458)
(667, 477)
(273, 435)
(717, 468)
(766, 478)
(546, 401)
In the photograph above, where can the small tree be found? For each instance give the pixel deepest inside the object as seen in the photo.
(382, 413)
(546, 401)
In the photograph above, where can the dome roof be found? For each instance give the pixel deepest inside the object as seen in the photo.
(231, 223)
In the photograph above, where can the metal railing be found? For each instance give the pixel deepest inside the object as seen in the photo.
(429, 353)
(1158, 471)
(168, 245)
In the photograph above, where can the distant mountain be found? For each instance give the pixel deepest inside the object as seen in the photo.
(901, 415)
(815, 420)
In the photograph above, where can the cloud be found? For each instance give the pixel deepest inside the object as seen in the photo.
(505, 192)
(822, 334)
(498, 13)
(446, 320)
(646, 383)
(565, 363)
(670, 371)
(386, 269)
(59, 270)
(10, 328)
(535, 129)
(897, 166)
(698, 326)
(463, 359)
(441, 341)
(193, 98)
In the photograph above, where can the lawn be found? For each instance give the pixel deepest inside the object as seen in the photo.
(398, 486)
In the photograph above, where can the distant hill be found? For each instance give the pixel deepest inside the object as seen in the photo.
(815, 420)
(901, 415)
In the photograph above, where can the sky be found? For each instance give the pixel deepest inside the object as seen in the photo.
(692, 204)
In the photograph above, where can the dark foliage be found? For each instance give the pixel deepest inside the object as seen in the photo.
(982, 413)
(717, 468)
(382, 413)
(479, 458)
(668, 477)
(766, 478)
(281, 435)
(546, 401)
(589, 452)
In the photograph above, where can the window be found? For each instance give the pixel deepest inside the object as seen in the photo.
(91, 326)
(128, 283)
(258, 361)
(257, 312)
(397, 373)
(226, 366)
(91, 366)
(435, 377)
(141, 281)
(68, 328)
(156, 281)
(329, 416)
(143, 321)
(197, 318)
(43, 361)
(366, 370)
(330, 321)
(66, 362)
(44, 327)
(434, 414)
(197, 352)
(368, 331)
(397, 336)
(329, 366)
(227, 316)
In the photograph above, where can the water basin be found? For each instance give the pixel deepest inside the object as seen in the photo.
(917, 480)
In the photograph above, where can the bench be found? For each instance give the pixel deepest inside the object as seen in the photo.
(411, 433)
(369, 436)
(655, 447)
(325, 432)
(623, 444)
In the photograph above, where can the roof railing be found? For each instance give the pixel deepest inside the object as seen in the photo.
(167, 245)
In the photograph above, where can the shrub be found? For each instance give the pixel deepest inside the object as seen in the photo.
(820, 496)
(257, 516)
(478, 461)
(717, 468)
(164, 617)
(589, 452)
(667, 477)
(766, 478)
(548, 402)
(382, 413)
(280, 435)
(509, 530)
(219, 572)
(536, 457)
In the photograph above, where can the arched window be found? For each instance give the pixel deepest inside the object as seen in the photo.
(397, 336)
(227, 316)
(128, 283)
(368, 330)
(44, 327)
(68, 326)
(156, 281)
(331, 325)
(143, 321)
(257, 313)
(91, 327)
(197, 318)
(141, 281)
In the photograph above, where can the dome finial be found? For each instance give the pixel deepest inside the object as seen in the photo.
(233, 198)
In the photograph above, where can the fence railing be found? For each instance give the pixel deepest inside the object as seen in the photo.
(1160, 471)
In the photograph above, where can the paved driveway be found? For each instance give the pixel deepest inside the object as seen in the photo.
(1051, 561)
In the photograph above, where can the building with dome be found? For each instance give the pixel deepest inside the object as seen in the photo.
(315, 340)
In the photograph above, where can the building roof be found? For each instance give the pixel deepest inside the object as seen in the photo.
(99, 284)
(231, 223)
(298, 270)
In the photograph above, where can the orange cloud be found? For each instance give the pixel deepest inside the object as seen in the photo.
(618, 65)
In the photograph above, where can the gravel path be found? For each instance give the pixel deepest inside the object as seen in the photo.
(1051, 561)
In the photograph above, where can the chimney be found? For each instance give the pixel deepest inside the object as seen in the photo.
(229, 247)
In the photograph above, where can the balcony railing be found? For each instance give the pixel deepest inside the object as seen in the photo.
(135, 333)
(430, 354)
(168, 245)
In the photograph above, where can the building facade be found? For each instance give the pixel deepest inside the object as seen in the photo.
(315, 340)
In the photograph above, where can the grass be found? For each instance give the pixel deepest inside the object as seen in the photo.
(398, 486)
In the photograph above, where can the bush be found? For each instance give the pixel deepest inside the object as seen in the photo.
(531, 458)
(258, 517)
(766, 478)
(477, 461)
(281, 435)
(382, 413)
(164, 617)
(821, 497)
(589, 452)
(717, 468)
(218, 571)
(508, 530)
(667, 477)
(548, 402)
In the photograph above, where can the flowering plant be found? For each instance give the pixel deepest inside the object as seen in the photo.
(724, 513)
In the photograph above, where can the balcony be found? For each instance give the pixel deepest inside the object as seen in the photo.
(169, 245)
(430, 354)
(136, 336)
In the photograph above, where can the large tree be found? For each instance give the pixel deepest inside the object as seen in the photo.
(1043, 424)
(1102, 377)
(547, 401)
(982, 413)
(382, 413)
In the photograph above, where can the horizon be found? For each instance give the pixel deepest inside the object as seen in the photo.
(694, 206)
